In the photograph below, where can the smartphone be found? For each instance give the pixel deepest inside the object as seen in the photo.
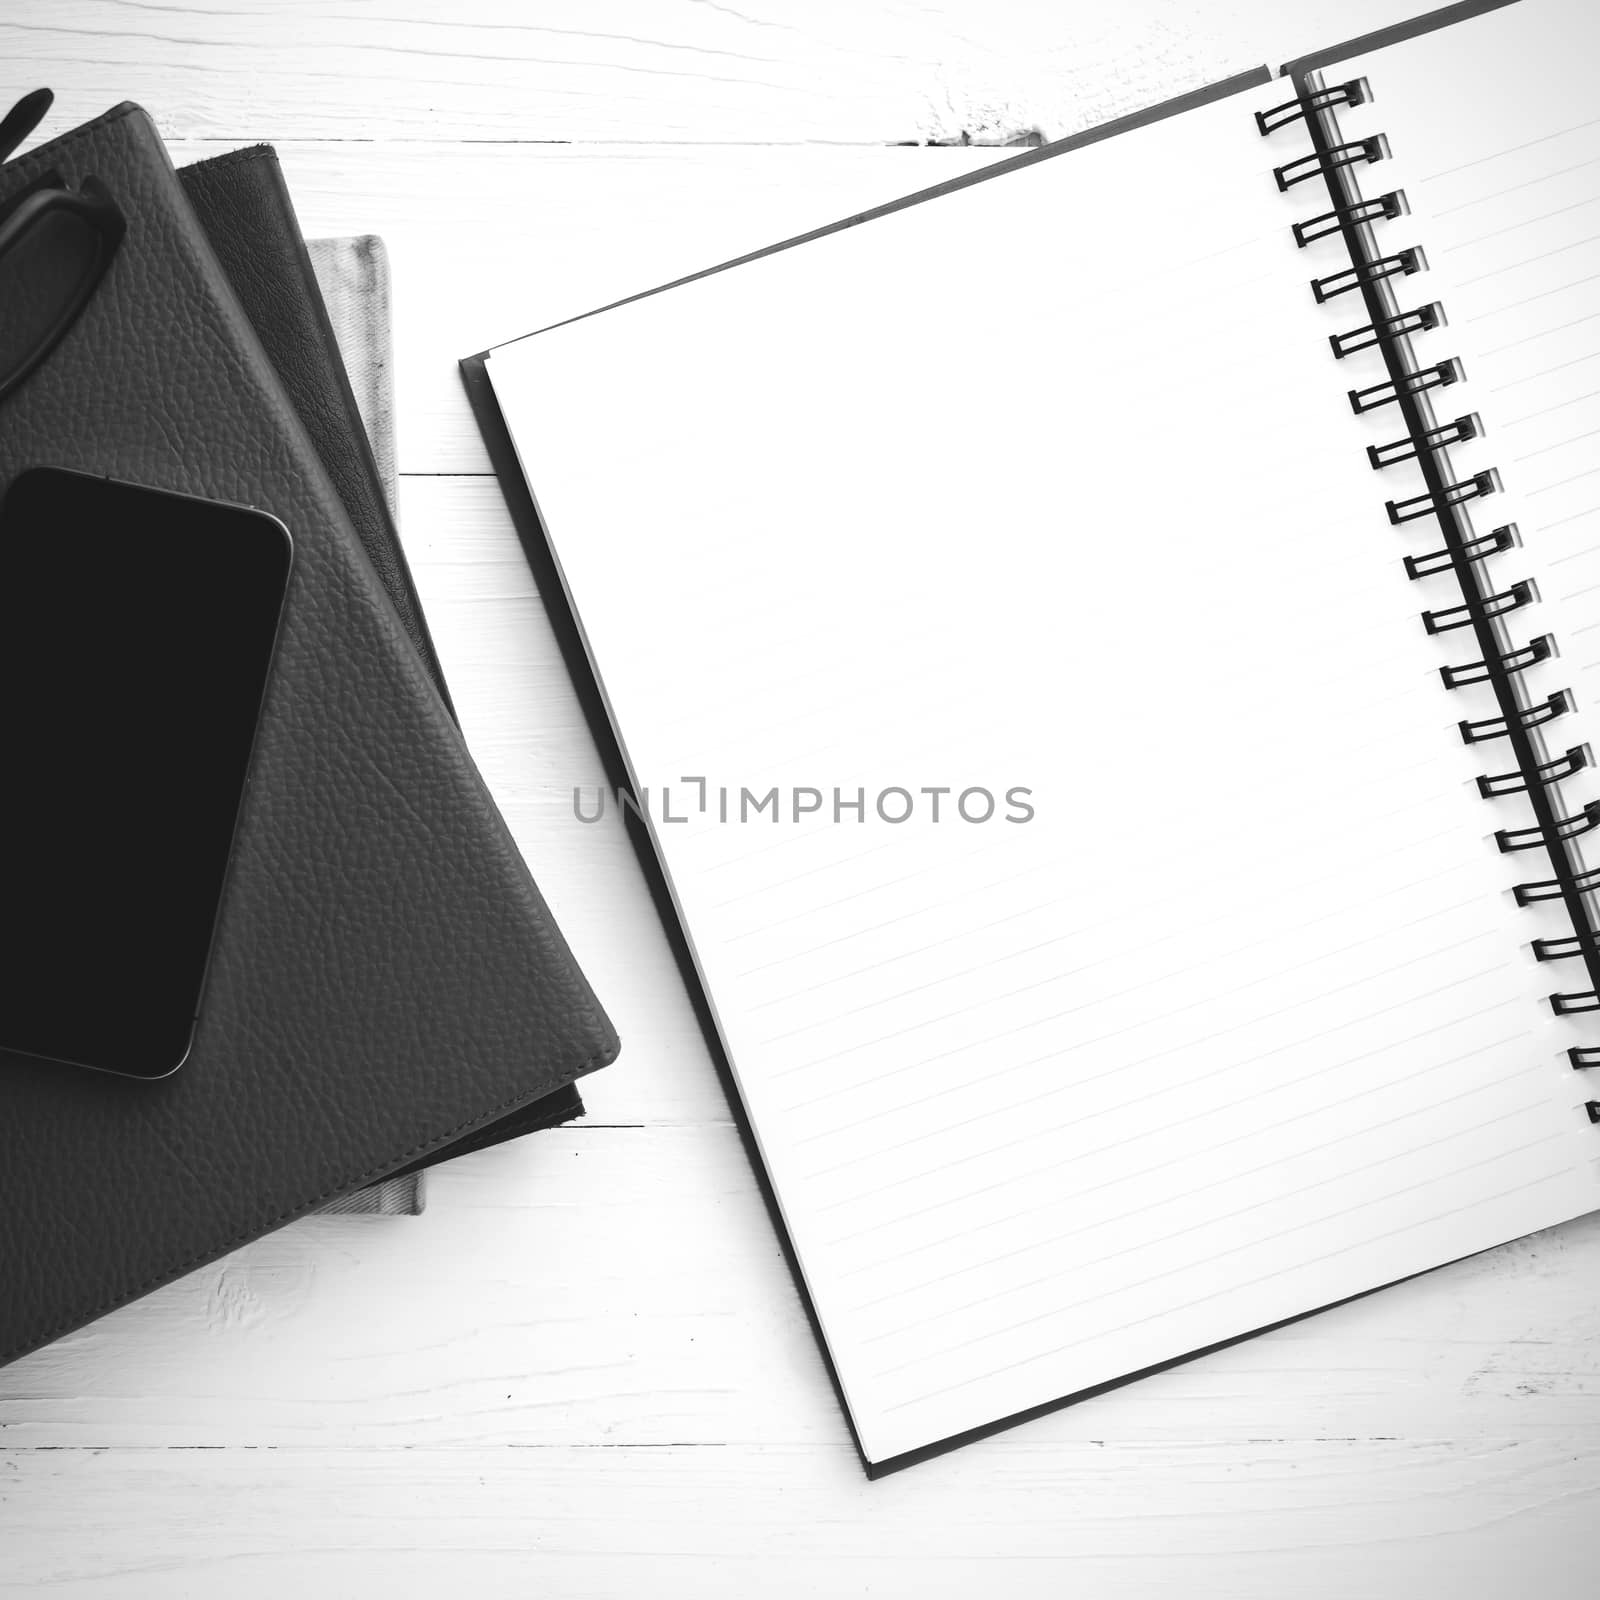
(137, 631)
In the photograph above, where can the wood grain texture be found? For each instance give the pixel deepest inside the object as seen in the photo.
(622, 1286)
(544, 232)
(1113, 1521)
(585, 1372)
(681, 71)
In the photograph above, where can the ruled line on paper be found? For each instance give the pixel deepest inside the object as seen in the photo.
(1230, 953)
(769, 846)
(1515, 188)
(1403, 847)
(1521, 1188)
(1543, 333)
(1400, 848)
(1576, 516)
(1560, 483)
(899, 1108)
(1510, 150)
(1534, 416)
(1433, 1179)
(1559, 444)
(1027, 1138)
(884, 1224)
(1326, 564)
(893, 997)
(941, 1241)
(1544, 255)
(1381, 579)
(1255, 1132)
(1514, 227)
(1428, 760)
(834, 941)
(810, 874)
(1483, 315)
(1571, 555)
(1076, 1086)
(922, 1063)
(993, 1293)
(960, 935)
(1543, 372)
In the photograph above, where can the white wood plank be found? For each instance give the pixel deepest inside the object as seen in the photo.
(1496, 1518)
(878, 71)
(487, 242)
(624, 1287)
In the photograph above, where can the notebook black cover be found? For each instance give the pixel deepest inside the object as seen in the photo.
(386, 979)
(242, 202)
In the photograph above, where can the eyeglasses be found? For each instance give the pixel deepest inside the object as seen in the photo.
(56, 243)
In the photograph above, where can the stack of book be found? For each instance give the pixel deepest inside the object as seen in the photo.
(386, 987)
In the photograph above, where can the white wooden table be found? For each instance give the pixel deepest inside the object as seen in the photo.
(584, 1371)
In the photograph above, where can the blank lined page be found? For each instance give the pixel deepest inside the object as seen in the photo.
(1495, 134)
(1199, 1001)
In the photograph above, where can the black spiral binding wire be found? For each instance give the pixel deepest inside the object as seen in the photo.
(1373, 276)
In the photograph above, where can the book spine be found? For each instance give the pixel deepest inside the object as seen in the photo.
(1487, 605)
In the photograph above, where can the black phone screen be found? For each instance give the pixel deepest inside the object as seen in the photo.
(136, 638)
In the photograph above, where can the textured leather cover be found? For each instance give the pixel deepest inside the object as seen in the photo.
(386, 979)
(242, 202)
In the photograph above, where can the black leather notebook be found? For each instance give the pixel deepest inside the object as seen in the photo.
(386, 980)
(242, 202)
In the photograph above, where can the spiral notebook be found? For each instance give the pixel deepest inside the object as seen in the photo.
(1106, 648)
